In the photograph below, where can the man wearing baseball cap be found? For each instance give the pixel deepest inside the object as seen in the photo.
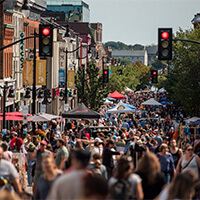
(38, 167)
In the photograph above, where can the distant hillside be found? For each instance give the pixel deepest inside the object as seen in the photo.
(121, 45)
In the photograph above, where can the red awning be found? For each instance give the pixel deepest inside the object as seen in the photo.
(13, 118)
(116, 95)
(16, 113)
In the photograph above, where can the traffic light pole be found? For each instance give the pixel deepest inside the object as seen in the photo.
(83, 88)
(34, 79)
(66, 74)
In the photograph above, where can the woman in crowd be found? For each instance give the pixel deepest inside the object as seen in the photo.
(51, 173)
(166, 162)
(125, 184)
(96, 167)
(152, 178)
(30, 161)
(182, 187)
(189, 161)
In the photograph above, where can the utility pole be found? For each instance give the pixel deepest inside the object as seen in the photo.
(34, 78)
(66, 70)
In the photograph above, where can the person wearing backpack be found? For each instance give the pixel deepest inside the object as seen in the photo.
(125, 184)
(96, 167)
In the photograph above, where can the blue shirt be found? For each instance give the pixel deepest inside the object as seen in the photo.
(166, 162)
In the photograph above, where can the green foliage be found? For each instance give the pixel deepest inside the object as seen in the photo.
(183, 81)
(121, 45)
(158, 64)
(133, 76)
(94, 91)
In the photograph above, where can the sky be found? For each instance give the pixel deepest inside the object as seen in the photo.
(137, 21)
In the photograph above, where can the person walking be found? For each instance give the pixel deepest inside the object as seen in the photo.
(189, 161)
(153, 180)
(175, 151)
(70, 185)
(108, 157)
(166, 162)
(30, 162)
(9, 175)
(125, 184)
(62, 154)
(38, 166)
(45, 182)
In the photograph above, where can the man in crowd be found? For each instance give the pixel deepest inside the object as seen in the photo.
(62, 154)
(38, 167)
(70, 185)
(9, 175)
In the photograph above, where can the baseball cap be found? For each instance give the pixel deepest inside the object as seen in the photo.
(43, 142)
(98, 140)
(70, 130)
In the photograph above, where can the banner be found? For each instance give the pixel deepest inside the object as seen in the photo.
(61, 78)
(40, 72)
(70, 79)
(27, 72)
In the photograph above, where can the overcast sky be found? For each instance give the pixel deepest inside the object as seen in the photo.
(137, 21)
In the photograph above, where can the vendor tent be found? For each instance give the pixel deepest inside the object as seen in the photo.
(81, 112)
(108, 102)
(151, 102)
(116, 95)
(128, 90)
(122, 108)
(43, 117)
(192, 120)
(16, 113)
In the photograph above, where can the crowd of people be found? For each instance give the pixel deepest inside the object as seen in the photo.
(140, 156)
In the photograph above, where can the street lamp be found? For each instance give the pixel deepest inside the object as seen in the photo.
(10, 96)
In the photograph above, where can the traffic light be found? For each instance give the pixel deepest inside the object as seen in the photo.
(105, 76)
(154, 76)
(120, 72)
(45, 40)
(164, 43)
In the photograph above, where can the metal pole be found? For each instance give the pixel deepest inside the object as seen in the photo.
(34, 79)
(4, 105)
(66, 69)
(83, 91)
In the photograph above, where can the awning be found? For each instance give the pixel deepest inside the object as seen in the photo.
(116, 95)
(13, 118)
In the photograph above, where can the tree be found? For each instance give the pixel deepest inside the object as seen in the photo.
(121, 45)
(133, 76)
(183, 80)
(94, 93)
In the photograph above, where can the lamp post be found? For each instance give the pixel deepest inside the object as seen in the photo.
(10, 96)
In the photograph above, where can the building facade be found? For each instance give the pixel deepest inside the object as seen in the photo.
(132, 55)
(75, 10)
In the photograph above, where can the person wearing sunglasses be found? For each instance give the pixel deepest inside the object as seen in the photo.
(189, 161)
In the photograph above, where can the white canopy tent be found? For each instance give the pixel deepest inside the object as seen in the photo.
(128, 90)
(108, 102)
(122, 108)
(151, 102)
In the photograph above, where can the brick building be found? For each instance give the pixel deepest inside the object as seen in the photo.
(8, 38)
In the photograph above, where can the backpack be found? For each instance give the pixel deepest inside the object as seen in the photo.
(96, 171)
(122, 189)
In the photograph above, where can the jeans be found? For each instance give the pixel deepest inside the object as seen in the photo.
(29, 171)
(168, 177)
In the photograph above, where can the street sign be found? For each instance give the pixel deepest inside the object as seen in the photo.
(43, 108)
(66, 107)
(25, 110)
(21, 50)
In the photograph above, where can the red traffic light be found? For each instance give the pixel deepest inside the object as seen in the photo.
(45, 31)
(154, 73)
(105, 72)
(165, 35)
